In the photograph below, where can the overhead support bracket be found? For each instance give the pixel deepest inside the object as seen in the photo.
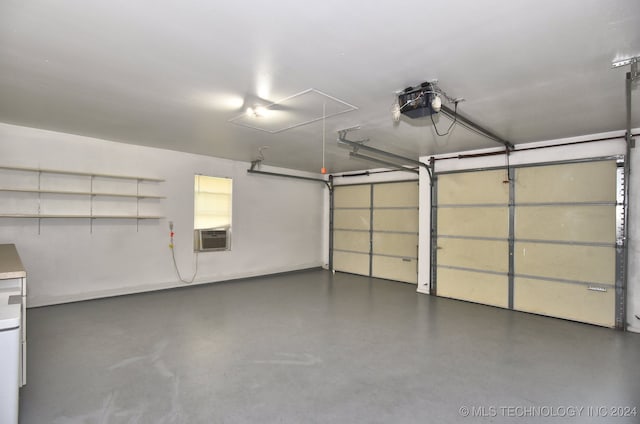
(359, 145)
(255, 163)
(383, 162)
(469, 124)
(631, 142)
(632, 76)
(632, 61)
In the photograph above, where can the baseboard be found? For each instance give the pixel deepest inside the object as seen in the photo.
(123, 291)
(633, 329)
(423, 288)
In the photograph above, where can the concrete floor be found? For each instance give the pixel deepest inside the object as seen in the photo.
(310, 347)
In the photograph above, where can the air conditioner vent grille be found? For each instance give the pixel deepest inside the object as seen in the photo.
(211, 239)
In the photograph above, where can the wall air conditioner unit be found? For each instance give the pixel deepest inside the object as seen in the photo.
(211, 239)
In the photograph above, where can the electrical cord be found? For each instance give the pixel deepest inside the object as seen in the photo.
(408, 102)
(175, 264)
(455, 119)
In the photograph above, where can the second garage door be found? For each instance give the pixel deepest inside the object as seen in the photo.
(375, 230)
(541, 239)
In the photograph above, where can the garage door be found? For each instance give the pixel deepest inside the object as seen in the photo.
(565, 234)
(473, 232)
(543, 242)
(375, 230)
(352, 228)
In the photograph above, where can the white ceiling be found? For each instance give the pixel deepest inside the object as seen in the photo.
(172, 74)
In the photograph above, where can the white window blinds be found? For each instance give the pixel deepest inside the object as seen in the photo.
(212, 202)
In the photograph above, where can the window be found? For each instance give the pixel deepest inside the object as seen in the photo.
(212, 210)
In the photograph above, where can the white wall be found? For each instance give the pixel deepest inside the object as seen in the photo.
(550, 154)
(277, 222)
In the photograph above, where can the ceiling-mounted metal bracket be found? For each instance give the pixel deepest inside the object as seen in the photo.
(395, 166)
(633, 62)
(342, 139)
(342, 134)
(632, 76)
(255, 164)
(295, 177)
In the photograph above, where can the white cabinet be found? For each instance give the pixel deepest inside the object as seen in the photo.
(13, 331)
(9, 374)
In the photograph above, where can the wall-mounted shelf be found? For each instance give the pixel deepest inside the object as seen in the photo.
(116, 194)
(26, 215)
(86, 174)
(85, 193)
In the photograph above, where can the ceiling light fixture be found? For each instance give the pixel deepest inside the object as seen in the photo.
(256, 111)
(301, 109)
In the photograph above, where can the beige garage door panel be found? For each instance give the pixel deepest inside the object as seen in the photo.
(395, 269)
(358, 196)
(355, 263)
(352, 211)
(570, 301)
(473, 188)
(396, 195)
(576, 182)
(484, 255)
(473, 287)
(595, 224)
(578, 263)
(396, 244)
(475, 222)
(352, 219)
(351, 240)
(395, 220)
(581, 183)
